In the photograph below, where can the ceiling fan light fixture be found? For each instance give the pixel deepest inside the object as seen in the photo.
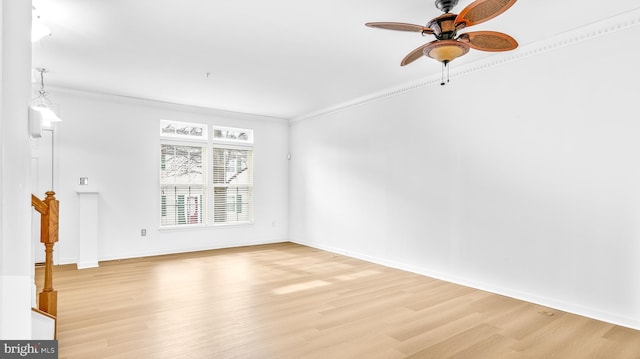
(446, 51)
(448, 46)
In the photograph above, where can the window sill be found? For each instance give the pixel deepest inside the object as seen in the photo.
(195, 227)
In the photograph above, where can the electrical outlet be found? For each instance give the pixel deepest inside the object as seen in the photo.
(143, 232)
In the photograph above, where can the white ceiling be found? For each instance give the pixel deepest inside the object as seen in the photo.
(280, 58)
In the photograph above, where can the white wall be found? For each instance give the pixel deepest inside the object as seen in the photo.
(15, 232)
(115, 142)
(521, 179)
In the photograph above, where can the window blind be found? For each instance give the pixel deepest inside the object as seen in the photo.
(182, 185)
(232, 184)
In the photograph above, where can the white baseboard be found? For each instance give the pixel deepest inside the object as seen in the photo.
(129, 255)
(188, 250)
(68, 260)
(85, 265)
(527, 297)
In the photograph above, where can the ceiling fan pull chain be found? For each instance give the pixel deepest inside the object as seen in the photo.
(444, 65)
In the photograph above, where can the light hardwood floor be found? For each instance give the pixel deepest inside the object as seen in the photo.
(291, 301)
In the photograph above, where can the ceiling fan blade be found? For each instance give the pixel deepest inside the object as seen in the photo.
(400, 26)
(482, 10)
(415, 54)
(489, 41)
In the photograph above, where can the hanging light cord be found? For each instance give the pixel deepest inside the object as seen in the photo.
(42, 91)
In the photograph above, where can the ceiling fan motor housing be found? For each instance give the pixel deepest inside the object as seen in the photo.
(444, 27)
(446, 5)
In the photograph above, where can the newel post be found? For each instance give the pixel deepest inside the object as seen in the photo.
(49, 236)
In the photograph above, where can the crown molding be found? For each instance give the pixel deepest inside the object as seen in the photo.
(95, 95)
(603, 27)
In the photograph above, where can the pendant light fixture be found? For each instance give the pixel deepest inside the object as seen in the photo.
(42, 105)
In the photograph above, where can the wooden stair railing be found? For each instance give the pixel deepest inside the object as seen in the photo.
(48, 209)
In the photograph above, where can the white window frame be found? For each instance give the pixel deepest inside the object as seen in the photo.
(198, 135)
(244, 189)
(247, 133)
(184, 130)
(182, 213)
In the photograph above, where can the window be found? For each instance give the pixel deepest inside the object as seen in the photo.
(232, 184)
(237, 135)
(182, 184)
(186, 195)
(183, 130)
(232, 175)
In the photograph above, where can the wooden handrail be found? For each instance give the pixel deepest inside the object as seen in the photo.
(49, 219)
(39, 206)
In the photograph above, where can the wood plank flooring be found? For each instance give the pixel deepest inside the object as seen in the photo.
(291, 301)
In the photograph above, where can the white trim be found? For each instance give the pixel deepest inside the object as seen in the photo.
(194, 249)
(204, 137)
(85, 265)
(613, 24)
(66, 261)
(203, 226)
(209, 206)
(248, 142)
(16, 306)
(239, 146)
(72, 261)
(132, 100)
(43, 325)
(610, 25)
(593, 313)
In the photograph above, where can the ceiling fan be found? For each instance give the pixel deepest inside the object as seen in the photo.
(448, 44)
